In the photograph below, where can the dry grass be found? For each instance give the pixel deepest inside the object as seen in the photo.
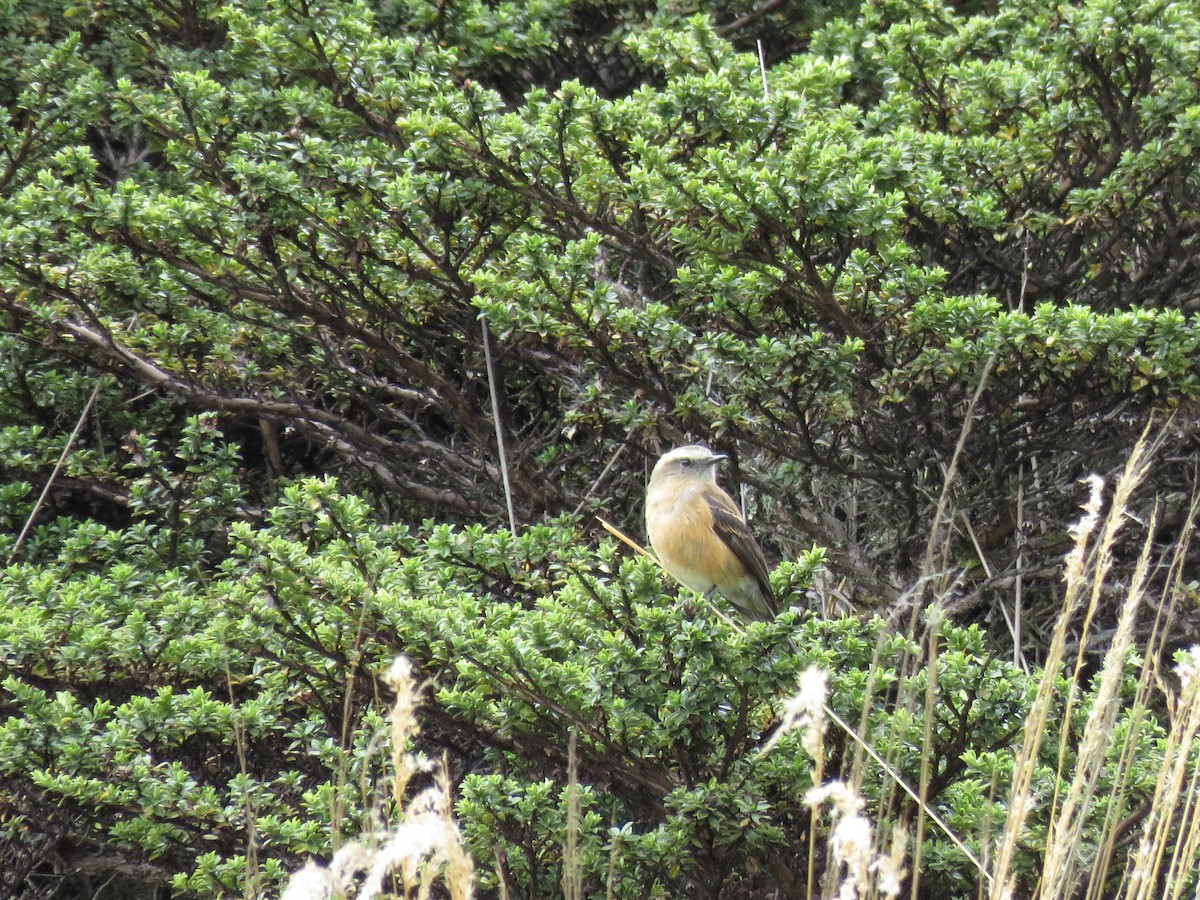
(1074, 865)
(420, 852)
(572, 877)
(863, 870)
(1070, 865)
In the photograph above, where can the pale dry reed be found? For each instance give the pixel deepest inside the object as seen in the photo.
(420, 850)
(1159, 852)
(1078, 858)
(1021, 800)
(1165, 858)
(867, 872)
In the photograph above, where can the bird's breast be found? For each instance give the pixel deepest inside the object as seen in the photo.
(679, 525)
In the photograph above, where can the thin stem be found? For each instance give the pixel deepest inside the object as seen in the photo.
(87, 407)
(895, 776)
(494, 390)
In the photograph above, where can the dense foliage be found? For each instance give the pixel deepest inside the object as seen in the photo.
(917, 268)
(295, 214)
(208, 727)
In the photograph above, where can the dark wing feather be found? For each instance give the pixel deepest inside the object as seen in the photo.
(730, 527)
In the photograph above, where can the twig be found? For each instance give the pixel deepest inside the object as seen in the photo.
(493, 389)
(620, 535)
(604, 472)
(1019, 587)
(895, 776)
(762, 67)
(638, 548)
(939, 517)
(87, 407)
(749, 18)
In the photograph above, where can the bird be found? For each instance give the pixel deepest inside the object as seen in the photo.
(699, 534)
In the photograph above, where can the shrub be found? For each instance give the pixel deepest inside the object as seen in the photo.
(212, 727)
(296, 216)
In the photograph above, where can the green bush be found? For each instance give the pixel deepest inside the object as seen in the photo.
(217, 724)
(917, 269)
(295, 215)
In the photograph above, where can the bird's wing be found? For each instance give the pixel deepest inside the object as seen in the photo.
(730, 527)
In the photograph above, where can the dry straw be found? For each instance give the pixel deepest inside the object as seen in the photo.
(1036, 722)
(1166, 853)
(422, 851)
(865, 871)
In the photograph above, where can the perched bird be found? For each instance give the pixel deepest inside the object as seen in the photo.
(699, 534)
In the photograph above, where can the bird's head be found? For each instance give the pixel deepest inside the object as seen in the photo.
(692, 462)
